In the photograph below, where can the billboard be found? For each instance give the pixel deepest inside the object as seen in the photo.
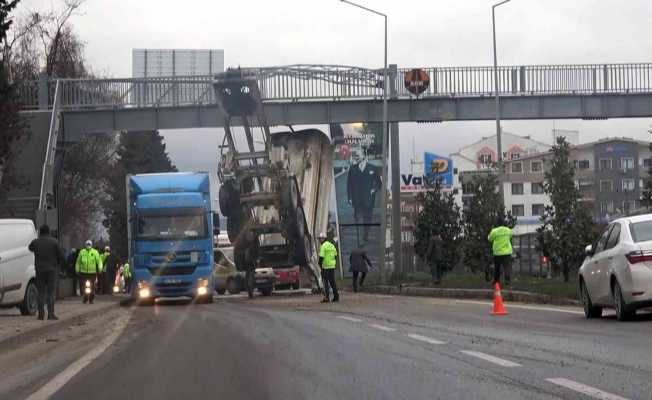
(176, 62)
(435, 168)
(358, 164)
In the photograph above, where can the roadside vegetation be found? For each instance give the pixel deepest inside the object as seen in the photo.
(551, 287)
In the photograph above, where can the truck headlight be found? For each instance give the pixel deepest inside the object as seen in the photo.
(202, 291)
(144, 293)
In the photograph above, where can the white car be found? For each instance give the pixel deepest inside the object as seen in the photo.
(17, 275)
(617, 271)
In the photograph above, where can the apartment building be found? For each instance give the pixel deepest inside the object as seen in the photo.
(480, 156)
(609, 174)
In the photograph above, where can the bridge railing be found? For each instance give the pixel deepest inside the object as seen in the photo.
(301, 83)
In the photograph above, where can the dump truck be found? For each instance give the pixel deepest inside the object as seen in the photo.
(275, 186)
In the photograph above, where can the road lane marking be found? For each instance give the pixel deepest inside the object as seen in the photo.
(424, 339)
(491, 359)
(351, 319)
(487, 303)
(53, 386)
(382, 328)
(584, 389)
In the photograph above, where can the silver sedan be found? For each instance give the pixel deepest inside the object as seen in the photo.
(617, 271)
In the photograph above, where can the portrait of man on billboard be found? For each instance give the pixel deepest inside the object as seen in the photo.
(363, 182)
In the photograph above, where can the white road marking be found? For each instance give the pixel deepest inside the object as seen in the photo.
(382, 328)
(584, 389)
(424, 339)
(73, 369)
(491, 359)
(510, 305)
(351, 319)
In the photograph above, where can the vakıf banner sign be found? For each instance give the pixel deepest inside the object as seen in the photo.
(436, 168)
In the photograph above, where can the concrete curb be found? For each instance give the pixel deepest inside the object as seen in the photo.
(52, 327)
(476, 294)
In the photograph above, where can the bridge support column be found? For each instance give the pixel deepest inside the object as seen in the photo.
(396, 180)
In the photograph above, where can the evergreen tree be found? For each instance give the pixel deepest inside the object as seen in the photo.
(479, 217)
(567, 226)
(137, 153)
(6, 7)
(11, 126)
(438, 231)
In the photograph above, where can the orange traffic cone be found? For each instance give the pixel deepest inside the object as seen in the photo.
(499, 308)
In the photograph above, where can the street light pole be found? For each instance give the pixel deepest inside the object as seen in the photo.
(383, 233)
(499, 144)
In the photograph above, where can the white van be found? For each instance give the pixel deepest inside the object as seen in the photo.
(17, 274)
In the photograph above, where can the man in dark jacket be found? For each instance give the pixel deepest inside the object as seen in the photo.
(48, 258)
(70, 265)
(360, 265)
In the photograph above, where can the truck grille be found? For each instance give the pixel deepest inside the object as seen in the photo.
(164, 271)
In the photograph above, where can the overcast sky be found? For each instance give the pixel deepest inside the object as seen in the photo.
(421, 33)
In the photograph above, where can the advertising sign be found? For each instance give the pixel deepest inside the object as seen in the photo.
(358, 164)
(436, 168)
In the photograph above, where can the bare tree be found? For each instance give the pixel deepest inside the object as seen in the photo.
(83, 187)
(45, 41)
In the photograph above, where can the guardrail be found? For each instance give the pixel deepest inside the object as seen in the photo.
(340, 83)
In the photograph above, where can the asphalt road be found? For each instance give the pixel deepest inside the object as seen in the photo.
(368, 347)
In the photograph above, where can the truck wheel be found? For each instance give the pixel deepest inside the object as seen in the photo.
(29, 306)
(296, 286)
(233, 226)
(220, 291)
(289, 194)
(229, 198)
(232, 286)
(266, 291)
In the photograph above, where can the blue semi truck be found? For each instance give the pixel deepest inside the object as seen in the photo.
(170, 232)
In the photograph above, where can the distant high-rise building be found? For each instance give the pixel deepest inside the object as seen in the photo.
(176, 62)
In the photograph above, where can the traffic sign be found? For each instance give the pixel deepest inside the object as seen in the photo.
(416, 81)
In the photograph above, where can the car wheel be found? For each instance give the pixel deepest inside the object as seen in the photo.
(590, 311)
(296, 286)
(623, 313)
(232, 286)
(29, 306)
(266, 291)
(220, 291)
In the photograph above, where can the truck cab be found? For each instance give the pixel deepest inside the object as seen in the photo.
(170, 236)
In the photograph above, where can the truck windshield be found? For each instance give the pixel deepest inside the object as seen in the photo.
(164, 227)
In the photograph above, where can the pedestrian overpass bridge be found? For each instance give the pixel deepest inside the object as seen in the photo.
(322, 94)
(317, 94)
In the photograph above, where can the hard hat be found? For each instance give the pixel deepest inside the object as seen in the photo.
(107, 248)
(322, 235)
(88, 243)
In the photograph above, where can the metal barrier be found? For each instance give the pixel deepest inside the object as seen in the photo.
(340, 83)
